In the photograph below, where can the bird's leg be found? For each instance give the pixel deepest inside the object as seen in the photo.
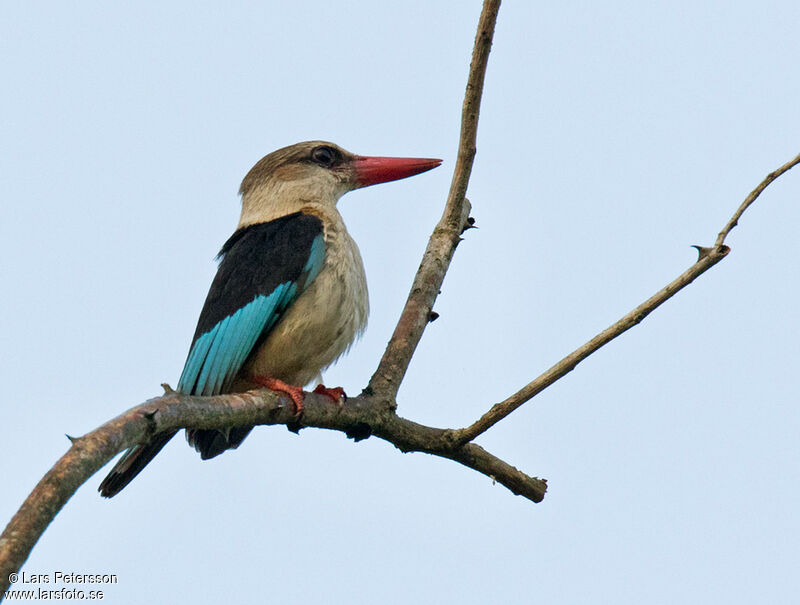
(277, 385)
(336, 393)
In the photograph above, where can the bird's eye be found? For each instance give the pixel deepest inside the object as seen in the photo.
(324, 156)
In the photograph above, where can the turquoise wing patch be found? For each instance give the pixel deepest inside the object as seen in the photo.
(217, 355)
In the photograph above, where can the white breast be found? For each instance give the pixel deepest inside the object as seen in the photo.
(325, 320)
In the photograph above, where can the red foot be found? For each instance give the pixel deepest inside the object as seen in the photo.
(336, 393)
(274, 384)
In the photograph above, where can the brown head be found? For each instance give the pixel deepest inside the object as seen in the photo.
(315, 172)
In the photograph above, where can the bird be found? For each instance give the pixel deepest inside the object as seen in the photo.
(290, 293)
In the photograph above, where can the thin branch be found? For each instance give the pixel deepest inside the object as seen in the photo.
(708, 257)
(752, 198)
(447, 234)
(568, 363)
(359, 418)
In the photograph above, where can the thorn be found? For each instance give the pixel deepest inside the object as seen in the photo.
(359, 431)
(71, 438)
(294, 427)
(168, 390)
(432, 316)
(470, 224)
(702, 252)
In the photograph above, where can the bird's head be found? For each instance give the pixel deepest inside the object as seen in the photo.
(315, 173)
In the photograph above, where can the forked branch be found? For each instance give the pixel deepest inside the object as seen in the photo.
(362, 416)
(372, 413)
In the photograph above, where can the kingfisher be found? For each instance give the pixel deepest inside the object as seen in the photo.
(290, 293)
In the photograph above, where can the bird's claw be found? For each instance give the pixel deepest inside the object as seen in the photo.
(336, 394)
(278, 386)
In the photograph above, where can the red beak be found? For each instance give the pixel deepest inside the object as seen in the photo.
(374, 170)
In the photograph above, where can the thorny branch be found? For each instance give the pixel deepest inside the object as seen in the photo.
(372, 413)
(442, 244)
(707, 258)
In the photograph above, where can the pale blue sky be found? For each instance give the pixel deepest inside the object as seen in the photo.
(612, 138)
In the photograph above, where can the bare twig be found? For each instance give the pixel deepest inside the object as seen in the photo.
(568, 363)
(447, 234)
(361, 417)
(708, 257)
(752, 198)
